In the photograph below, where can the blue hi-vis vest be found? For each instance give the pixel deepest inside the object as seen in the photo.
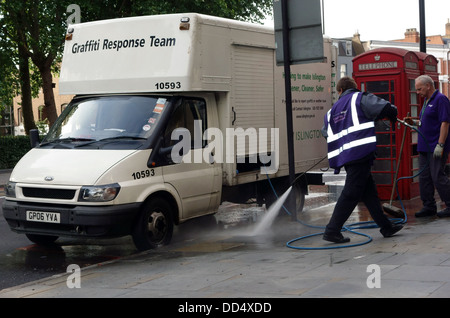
(351, 136)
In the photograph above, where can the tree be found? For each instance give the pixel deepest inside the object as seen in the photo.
(245, 10)
(40, 25)
(8, 81)
(14, 66)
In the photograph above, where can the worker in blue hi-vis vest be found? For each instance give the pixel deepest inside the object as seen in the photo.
(349, 127)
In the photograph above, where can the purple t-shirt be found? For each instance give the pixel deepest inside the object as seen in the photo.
(436, 111)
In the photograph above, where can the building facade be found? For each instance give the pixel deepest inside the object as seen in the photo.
(436, 45)
(38, 105)
(347, 49)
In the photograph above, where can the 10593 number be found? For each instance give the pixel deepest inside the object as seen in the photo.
(143, 174)
(168, 85)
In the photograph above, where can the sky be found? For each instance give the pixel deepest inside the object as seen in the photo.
(382, 19)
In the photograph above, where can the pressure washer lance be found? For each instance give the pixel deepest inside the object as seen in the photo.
(389, 208)
(307, 170)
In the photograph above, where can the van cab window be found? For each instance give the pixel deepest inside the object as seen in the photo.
(190, 115)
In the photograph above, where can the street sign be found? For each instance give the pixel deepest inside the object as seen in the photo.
(305, 31)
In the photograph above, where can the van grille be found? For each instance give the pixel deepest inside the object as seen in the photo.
(61, 194)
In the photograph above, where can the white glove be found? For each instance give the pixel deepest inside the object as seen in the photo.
(438, 151)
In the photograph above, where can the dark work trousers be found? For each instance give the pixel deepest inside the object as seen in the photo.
(433, 177)
(359, 186)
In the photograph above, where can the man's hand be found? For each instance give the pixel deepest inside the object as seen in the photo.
(411, 121)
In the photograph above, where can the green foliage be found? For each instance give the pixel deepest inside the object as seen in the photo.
(42, 126)
(39, 27)
(245, 10)
(12, 149)
(8, 72)
(9, 60)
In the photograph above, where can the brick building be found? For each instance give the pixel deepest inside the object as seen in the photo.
(437, 45)
(38, 105)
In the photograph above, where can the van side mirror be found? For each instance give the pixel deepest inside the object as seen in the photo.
(154, 155)
(160, 155)
(34, 138)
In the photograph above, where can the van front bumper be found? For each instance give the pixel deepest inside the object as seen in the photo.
(80, 221)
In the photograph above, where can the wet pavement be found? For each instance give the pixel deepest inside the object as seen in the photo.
(220, 257)
(21, 261)
(30, 262)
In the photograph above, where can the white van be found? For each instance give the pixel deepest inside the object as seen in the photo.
(172, 115)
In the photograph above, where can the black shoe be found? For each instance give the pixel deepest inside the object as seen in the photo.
(391, 231)
(444, 213)
(425, 212)
(336, 238)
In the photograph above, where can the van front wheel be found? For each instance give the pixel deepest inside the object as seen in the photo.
(154, 227)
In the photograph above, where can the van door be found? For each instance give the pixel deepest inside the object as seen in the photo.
(191, 175)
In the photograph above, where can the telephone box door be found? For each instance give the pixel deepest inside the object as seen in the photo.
(390, 73)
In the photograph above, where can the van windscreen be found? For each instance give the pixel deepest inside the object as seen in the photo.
(107, 118)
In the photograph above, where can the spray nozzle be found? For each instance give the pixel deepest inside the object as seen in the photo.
(404, 123)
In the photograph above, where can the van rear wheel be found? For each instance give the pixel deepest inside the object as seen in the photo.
(154, 226)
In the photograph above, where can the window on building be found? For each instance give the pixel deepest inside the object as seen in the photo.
(348, 48)
(343, 70)
(19, 116)
(41, 113)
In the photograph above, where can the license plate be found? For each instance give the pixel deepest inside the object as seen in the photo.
(46, 217)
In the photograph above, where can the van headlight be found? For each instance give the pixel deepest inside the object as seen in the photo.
(100, 193)
(10, 189)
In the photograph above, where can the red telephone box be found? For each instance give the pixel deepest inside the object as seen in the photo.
(390, 73)
(428, 65)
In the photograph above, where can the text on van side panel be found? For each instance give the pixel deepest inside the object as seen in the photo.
(94, 45)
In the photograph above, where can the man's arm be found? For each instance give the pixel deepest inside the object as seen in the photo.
(443, 132)
(376, 108)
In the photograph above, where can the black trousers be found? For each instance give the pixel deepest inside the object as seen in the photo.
(433, 177)
(359, 186)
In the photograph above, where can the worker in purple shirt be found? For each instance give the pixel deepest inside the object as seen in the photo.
(433, 147)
